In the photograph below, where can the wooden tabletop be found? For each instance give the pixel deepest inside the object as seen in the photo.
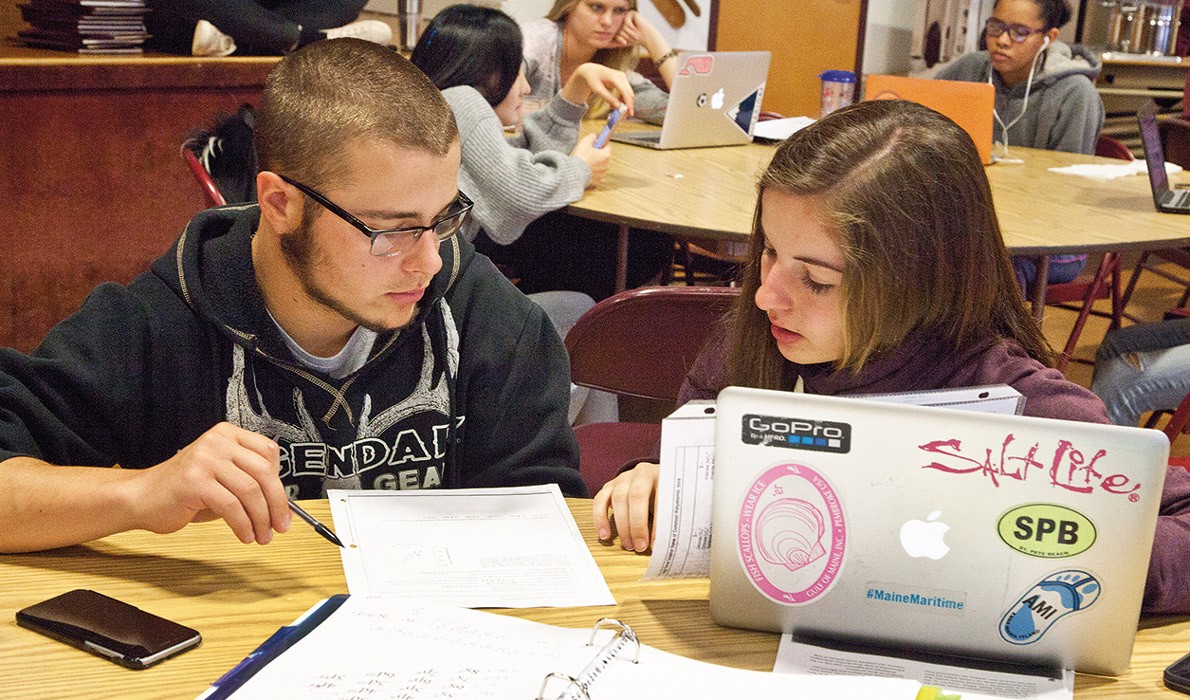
(237, 595)
(711, 193)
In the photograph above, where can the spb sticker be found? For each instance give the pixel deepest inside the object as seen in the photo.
(792, 534)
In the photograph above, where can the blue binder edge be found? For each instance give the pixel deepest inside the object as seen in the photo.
(271, 648)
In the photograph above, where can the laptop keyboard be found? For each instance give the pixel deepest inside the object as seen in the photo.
(1180, 199)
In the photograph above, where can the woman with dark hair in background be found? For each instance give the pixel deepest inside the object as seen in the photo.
(473, 54)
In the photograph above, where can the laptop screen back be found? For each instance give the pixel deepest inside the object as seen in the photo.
(1150, 138)
(969, 105)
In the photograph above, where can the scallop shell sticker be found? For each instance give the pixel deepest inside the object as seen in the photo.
(792, 534)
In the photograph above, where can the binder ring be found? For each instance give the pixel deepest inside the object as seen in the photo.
(571, 682)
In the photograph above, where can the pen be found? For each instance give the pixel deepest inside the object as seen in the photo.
(318, 527)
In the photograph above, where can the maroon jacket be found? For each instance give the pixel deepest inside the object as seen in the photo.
(921, 364)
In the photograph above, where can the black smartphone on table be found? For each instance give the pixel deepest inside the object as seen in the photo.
(1177, 675)
(110, 628)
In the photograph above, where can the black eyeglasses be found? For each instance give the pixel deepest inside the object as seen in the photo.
(1017, 32)
(394, 241)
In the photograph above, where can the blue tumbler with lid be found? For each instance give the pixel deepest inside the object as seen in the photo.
(838, 90)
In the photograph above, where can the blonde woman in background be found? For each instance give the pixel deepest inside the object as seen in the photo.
(608, 32)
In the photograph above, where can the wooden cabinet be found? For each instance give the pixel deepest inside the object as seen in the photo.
(805, 37)
(90, 173)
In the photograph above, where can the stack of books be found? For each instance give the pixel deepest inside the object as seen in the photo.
(85, 26)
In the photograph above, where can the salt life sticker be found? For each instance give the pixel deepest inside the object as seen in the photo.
(796, 433)
(1049, 600)
(792, 534)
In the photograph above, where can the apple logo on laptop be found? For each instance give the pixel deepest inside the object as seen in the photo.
(925, 538)
(717, 100)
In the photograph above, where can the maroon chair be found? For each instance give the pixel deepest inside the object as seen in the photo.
(1080, 295)
(1109, 147)
(210, 191)
(639, 343)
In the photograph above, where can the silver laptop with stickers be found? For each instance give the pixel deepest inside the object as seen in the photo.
(714, 101)
(996, 537)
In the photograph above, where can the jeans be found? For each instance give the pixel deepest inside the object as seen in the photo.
(1143, 368)
(265, 27)
(1063, 268)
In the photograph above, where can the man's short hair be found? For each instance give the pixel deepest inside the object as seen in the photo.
(337, 91)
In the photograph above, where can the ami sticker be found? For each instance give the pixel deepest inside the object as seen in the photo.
(1049, 600)
(792, 534)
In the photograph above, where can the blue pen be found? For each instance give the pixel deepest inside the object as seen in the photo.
(271, 648)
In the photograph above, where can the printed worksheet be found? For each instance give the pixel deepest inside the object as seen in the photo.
(682, 546)
(478, 548)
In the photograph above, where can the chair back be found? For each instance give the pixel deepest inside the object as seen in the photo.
(1080, 295)
(642, 342)
(1179, 422)
(210, 191)
(1109, 147)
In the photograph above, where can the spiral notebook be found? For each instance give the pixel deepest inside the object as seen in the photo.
(385, 647)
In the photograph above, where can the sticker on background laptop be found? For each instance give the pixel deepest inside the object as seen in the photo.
(1047, 530)
(792, 534)
(1048, 601)
(796, 433)
(698, 65)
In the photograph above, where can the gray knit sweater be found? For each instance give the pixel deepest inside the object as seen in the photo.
(514, 180)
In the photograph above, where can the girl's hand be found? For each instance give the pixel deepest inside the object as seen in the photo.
(597, 159)
(630, 496)
(608, 83)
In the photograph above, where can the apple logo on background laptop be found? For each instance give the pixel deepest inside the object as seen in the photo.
(925, 539)
(717, 100)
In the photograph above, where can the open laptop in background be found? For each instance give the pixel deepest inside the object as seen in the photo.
(994, 537)
(1167, 200)
(714, 101)
(970, 105)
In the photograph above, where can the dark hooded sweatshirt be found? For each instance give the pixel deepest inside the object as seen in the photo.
(473, 393)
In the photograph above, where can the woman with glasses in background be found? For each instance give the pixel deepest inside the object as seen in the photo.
(608, 32)
(1045, 89)
(1045, 94)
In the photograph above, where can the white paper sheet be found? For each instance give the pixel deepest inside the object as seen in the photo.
(682, 518)
(380, 647)
(482, 548)
(971, 684)
(780, 129)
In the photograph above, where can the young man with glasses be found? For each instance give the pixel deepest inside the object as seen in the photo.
(1045, 95)
(336, 335)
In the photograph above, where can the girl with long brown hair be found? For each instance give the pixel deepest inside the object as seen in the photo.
(877, 266)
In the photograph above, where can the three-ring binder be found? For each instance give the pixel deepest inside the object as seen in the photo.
(578, 687)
